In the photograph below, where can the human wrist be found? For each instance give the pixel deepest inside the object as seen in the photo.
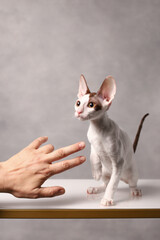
(2, 177)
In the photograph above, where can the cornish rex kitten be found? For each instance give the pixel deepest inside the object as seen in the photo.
(112, 155)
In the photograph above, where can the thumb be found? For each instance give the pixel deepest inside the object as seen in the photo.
(45, 192)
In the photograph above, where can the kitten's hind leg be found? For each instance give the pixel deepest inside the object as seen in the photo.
(135, 192)
(99, 189)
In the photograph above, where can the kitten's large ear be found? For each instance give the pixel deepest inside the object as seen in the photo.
(107, 89)
(83, 88)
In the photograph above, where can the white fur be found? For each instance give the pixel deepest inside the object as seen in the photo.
(82, 108)
(112, 157)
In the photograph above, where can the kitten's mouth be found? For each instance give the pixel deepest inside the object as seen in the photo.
(79, 116)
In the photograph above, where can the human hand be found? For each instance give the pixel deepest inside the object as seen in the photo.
(24, 173)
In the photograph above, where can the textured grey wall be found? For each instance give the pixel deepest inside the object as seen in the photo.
(44, 47)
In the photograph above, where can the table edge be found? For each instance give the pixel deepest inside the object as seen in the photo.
(79, 213)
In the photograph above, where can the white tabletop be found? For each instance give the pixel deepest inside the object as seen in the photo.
(76, 197)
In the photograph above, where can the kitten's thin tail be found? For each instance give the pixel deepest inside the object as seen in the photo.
(138, 132)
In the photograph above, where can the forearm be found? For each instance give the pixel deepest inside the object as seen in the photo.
(6, 180)
(2, 177)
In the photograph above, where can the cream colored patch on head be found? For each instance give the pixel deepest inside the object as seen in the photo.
(83, 101)
(81, 109)
(88, 107)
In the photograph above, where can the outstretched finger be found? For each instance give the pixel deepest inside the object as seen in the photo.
(38, 142)
(66, 151)
(46, 149)
(65, 165)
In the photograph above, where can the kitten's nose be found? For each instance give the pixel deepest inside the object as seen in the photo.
(79, 112)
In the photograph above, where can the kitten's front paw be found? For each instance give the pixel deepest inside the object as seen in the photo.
(96, 190)
(107, 202)
(92, 190)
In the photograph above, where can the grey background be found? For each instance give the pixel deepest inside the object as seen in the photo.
(44, 47)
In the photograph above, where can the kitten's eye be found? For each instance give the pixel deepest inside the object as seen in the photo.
(91, 104)
(78, 103)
